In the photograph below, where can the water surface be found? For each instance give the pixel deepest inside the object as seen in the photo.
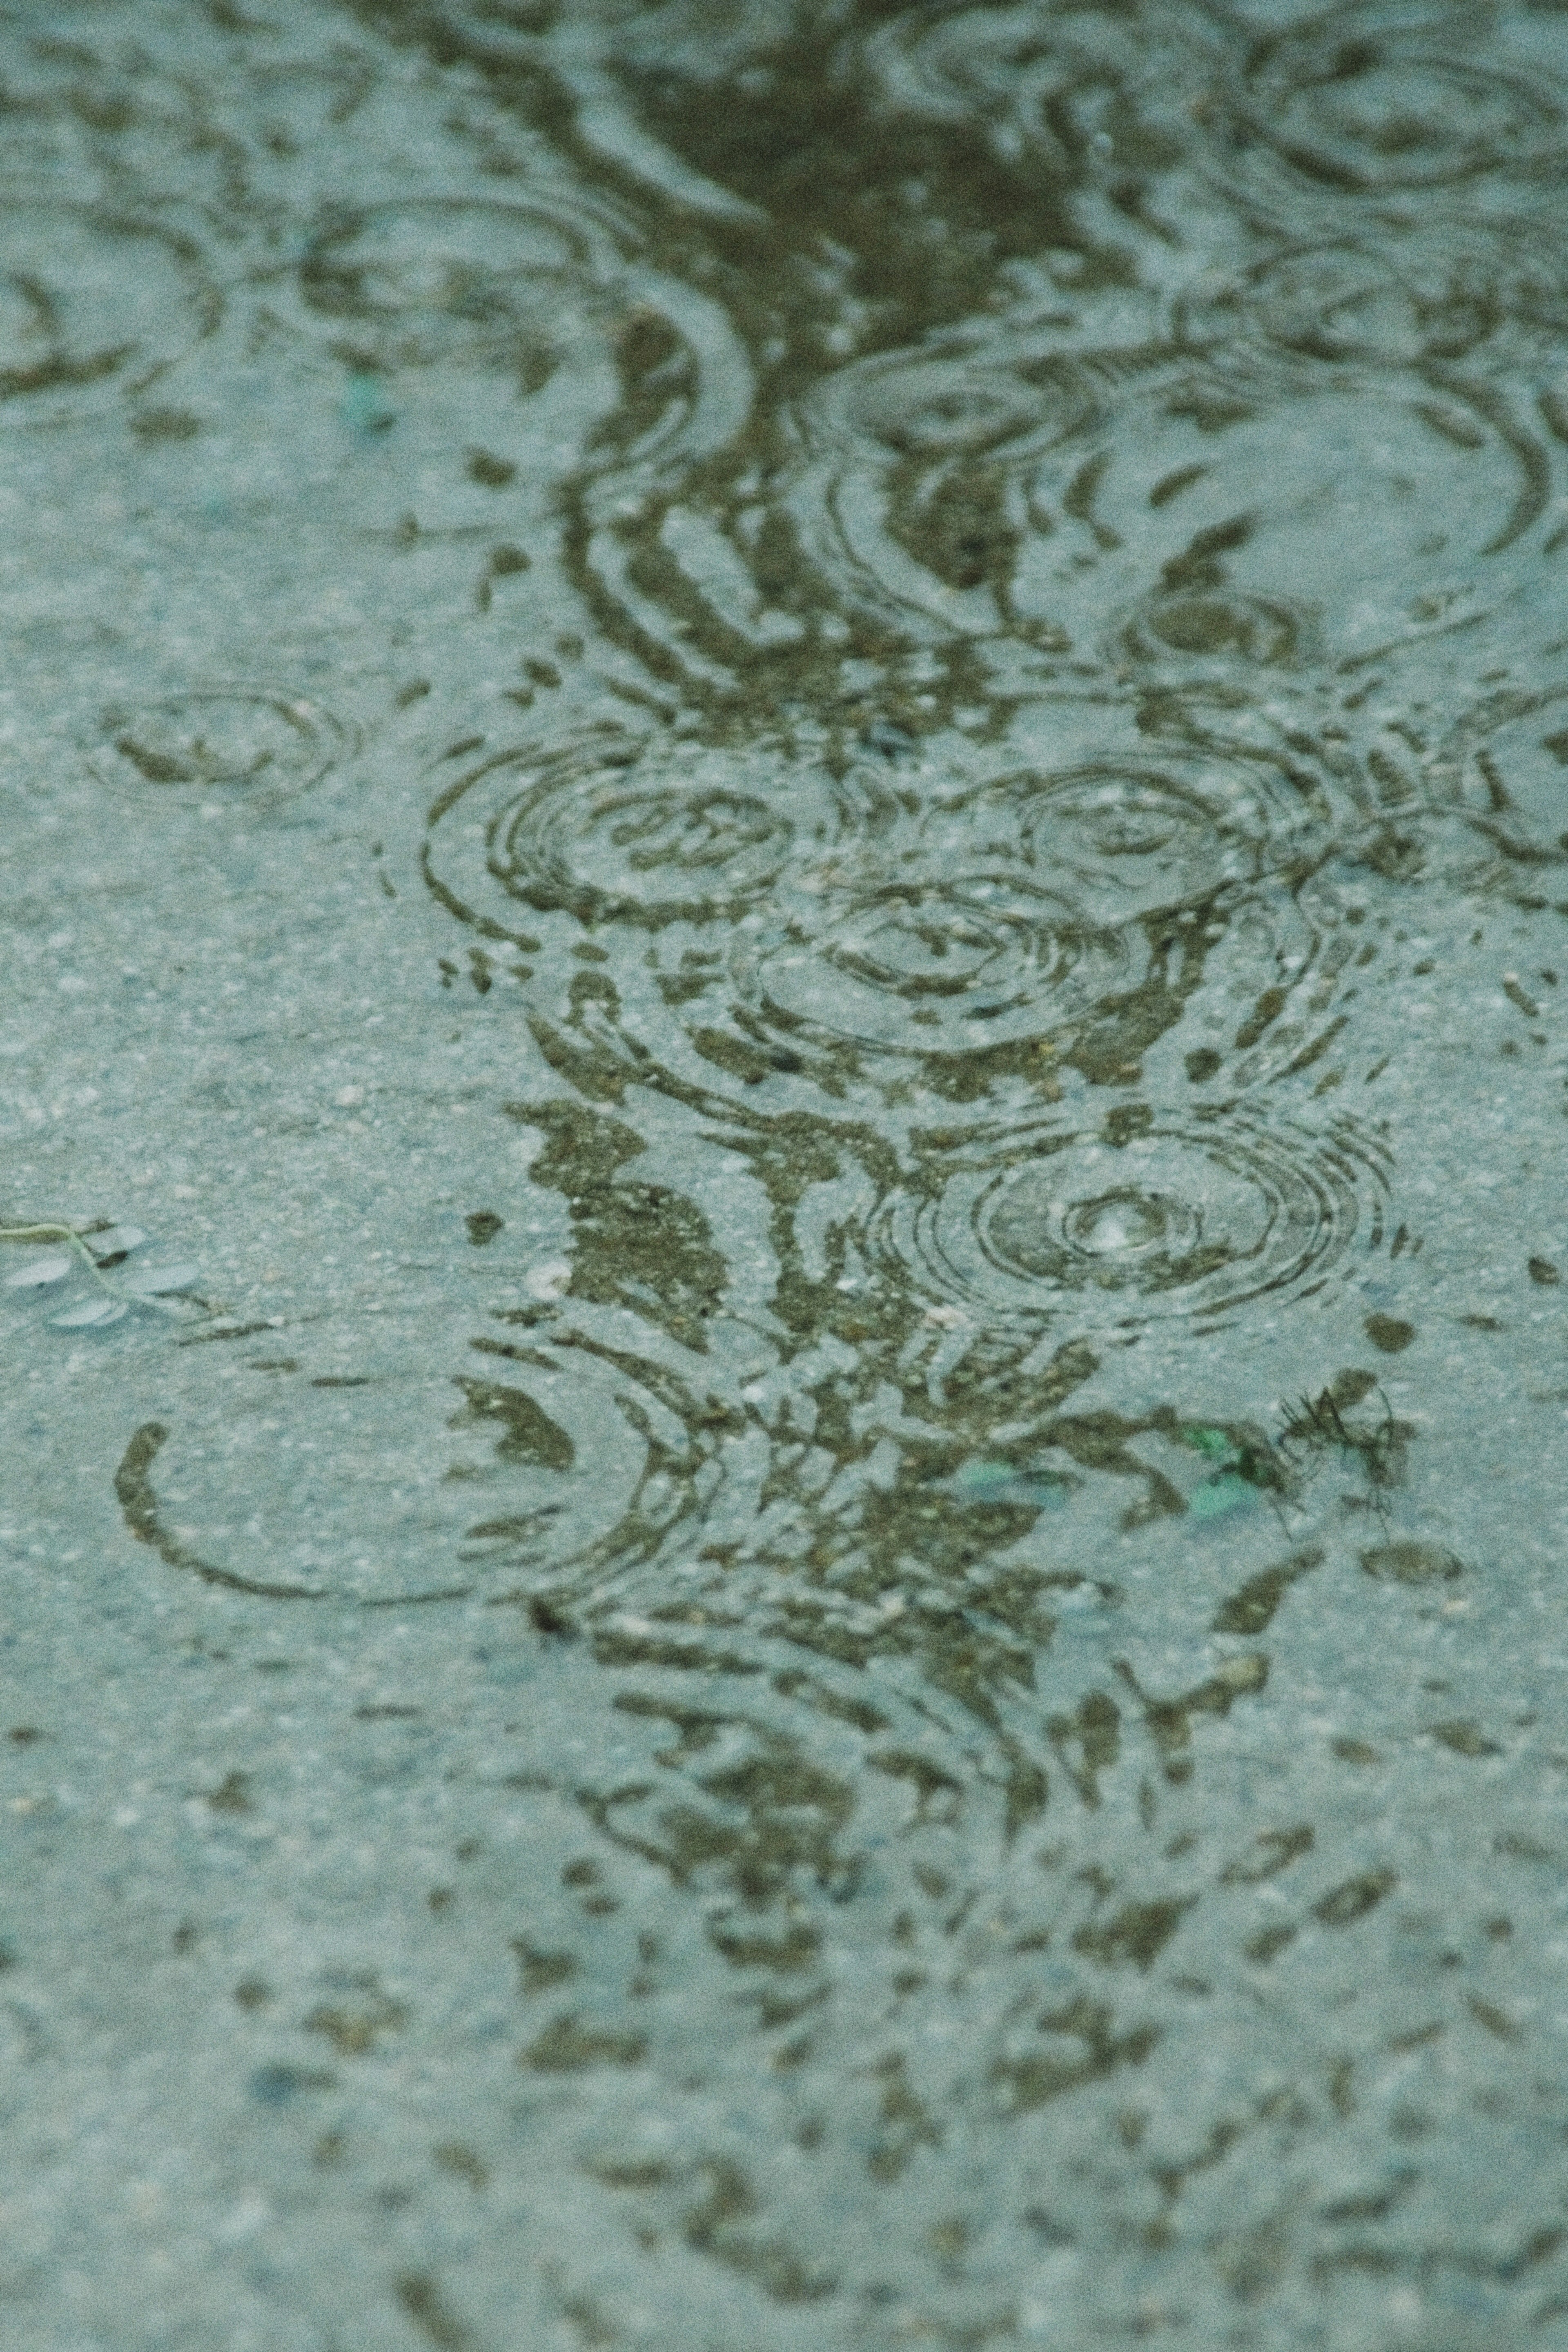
(783, 792)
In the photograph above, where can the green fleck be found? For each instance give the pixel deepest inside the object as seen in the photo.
(1216, 1496)
(1215, 1444)
(364, 407)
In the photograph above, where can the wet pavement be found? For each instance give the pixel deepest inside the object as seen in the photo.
(783, 857)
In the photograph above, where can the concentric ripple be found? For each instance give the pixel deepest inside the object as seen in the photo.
(912, 496)
(1140, 1223)
(647, 831)
(350, 1488)
(1182, 629)
(1038, 498)
(1084, 94)
(93, 305)
(448, 284)
(1385, 503)
(252, 739)
(888, 503)
(931, 966)
(815, 928)
(1507, 764)
(1383, 303)
(1021, 908)
(1378, 101)
(1125, 837)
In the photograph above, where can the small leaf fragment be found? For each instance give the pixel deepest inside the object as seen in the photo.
(90, 1312)
(1411, 1563)
(118, 1241)
(40, 1274)
(159, 1281)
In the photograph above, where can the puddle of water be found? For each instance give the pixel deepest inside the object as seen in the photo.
(786, 797)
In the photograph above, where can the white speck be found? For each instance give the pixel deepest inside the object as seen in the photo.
(548, 1281)
(244, 2220)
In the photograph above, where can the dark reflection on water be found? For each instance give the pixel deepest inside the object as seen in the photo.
(832, 739)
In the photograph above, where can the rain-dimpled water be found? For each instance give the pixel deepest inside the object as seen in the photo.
(783, 909)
